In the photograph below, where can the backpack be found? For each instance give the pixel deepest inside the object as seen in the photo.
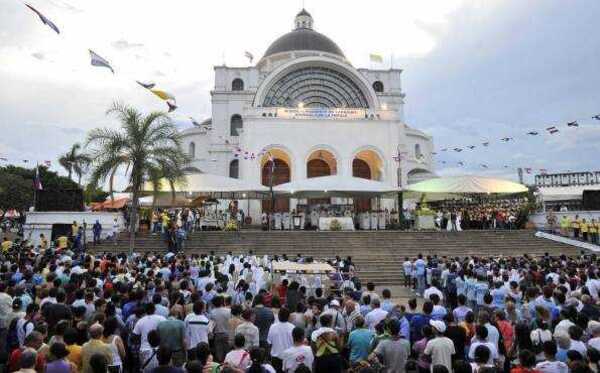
(12, 339)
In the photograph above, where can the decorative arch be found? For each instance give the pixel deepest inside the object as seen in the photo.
(236, 124)
(378, 86)
(237, 84)
(367, 163)
(192, 150)
(330, 97)
(234, 169)
(276, 168)
(416, 175)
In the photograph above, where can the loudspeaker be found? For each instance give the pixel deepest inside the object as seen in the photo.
(591, 199)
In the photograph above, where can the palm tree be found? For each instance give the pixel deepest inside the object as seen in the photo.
(148, 147)
(75, 162)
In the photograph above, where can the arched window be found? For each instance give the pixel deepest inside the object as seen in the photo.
(418, 153)
(234, 169)
(237, 85)
(378, 86)
(192, 150)
(236, 125)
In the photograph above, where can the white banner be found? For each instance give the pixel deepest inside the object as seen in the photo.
(321, 113)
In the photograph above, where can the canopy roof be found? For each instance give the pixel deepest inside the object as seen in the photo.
(333, 186)
(566, 193)
(213, 185)
(468, 184)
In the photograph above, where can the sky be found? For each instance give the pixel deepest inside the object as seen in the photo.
(473, 70)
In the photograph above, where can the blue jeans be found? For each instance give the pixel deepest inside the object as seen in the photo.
(420, 284)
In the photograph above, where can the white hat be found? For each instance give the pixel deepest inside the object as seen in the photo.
(438, 325)
(334, 303)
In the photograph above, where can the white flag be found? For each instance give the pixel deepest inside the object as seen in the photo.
(99, 61)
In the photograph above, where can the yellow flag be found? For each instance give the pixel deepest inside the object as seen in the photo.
(376, 58)
(162, 94)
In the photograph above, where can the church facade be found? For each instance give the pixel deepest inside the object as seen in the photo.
(305, 111)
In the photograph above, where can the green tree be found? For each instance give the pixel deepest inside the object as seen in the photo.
(75, 162)
(148, 147)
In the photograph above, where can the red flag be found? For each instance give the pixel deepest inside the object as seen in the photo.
(37, 181)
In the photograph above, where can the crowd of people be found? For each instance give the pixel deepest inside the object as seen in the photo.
(456, 215)
(522, 314)
(586, 230)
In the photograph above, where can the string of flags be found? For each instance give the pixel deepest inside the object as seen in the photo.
(46, 163)
(551, 130)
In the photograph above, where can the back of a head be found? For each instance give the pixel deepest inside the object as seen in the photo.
(283, 315)
(298, 335)
(439, 369)
(194, 366)
(482, 354)
(98, 363)
(28, 359)
(527, 358)
(164, 355)
(239, 341)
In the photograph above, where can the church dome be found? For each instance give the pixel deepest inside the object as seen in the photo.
(303, 37)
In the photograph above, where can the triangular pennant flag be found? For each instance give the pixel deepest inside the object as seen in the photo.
(96, 60)
(45, 20)
(146, 85)
(163, 95)
(171, 105)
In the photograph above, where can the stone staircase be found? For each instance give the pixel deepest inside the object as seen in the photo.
(378, 254)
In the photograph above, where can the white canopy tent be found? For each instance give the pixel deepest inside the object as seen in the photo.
(333, 186)
(469, 184)
(215, 186)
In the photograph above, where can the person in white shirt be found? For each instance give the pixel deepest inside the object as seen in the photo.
(594, 330)
(433, 290)
(238, 358)
(299, 354)
(481, 338)
(280, 338)
(145, 325)
(407, 267)
(440, 349)
(160, 309)
(25, 324)
(376, 315)
(248, 330)
(196, 328)
(550, 364)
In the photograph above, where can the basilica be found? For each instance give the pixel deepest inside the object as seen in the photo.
(303, 111)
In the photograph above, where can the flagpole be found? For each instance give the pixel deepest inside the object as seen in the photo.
(35, 176)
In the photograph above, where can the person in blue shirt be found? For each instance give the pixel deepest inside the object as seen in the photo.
(387, 304)
(420, 274)
(359, 341)
(499, 295)
(97, 230)
(419, 320)
(481, 288)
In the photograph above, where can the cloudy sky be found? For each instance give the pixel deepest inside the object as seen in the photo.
(473, 70)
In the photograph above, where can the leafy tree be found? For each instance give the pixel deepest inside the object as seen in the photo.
(59, 193)
(75, 162)
(148, 147)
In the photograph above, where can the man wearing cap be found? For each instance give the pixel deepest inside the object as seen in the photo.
(440, 348)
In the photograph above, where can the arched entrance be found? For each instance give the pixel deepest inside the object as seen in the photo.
(367, 164)
(274, 173)
(320, 163)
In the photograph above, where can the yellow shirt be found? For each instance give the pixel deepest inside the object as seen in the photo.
(62, 242)
(75, 356)
(74, 229)
(592, 228)
(6, 245)
(575, 223)
(584, 227)
(565, 223)
(44, 243)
